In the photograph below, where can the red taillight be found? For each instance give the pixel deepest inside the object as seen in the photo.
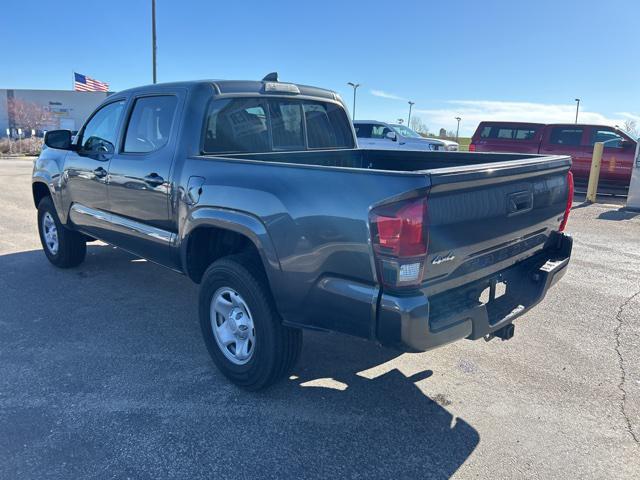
(567, 209)
(400, 239)
(399, 229)
(472, 147)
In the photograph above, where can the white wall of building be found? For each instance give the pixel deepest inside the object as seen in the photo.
(68, 109)
(4, 114)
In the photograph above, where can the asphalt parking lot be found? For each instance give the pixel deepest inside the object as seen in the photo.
(103, 374)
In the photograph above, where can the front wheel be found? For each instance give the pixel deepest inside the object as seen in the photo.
(63, 247)
(241, 327)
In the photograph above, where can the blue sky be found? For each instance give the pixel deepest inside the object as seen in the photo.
(479, 60)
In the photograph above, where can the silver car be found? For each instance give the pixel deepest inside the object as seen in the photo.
(375, 135)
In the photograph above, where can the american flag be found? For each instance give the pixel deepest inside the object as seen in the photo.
(82, 83)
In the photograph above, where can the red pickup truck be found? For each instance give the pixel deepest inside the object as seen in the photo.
(576, 140)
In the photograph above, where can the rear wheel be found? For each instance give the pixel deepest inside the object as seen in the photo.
(241, 327)
(63, 247)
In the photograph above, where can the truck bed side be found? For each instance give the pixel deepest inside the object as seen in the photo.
(317, 218)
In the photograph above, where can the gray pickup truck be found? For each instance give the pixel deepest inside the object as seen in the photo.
(255, 190)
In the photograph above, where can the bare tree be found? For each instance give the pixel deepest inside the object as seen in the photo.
(27, 115)
(419, 126)
(631, 127)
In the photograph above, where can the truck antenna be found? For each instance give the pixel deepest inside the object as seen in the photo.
(271, 77)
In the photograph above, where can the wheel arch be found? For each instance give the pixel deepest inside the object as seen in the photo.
(39, 190)
(212, 233)
(42, 186)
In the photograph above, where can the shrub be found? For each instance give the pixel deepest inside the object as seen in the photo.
(26, 146)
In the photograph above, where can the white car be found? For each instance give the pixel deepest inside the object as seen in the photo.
(375, 135)
(450, 145)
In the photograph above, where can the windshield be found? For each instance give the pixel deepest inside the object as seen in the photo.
(405, 131)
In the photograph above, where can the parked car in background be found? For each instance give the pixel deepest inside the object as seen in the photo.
(376, 135)
(576, 140)
(450, 145)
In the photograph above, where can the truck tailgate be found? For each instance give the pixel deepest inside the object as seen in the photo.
(485, 218)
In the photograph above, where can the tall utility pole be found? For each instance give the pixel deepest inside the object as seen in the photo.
(355, 87)
(411, 104)
(577, 108)
(458, 129)
(153, 38)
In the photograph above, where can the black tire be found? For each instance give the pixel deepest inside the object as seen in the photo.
(71, 246)
(277, 348)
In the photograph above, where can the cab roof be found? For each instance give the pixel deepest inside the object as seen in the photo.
(249, 87)
(534, 124)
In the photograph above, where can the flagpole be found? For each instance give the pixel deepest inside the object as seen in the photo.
(153, 37)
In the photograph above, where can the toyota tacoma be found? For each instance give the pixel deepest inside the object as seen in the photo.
(256, 191)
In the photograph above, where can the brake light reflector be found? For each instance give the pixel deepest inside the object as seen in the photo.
(400, 240)
(472, 147)
(567, 209)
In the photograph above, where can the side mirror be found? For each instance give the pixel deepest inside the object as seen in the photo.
(60, 139)
(391, 136)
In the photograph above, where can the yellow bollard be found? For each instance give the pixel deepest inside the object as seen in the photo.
(594, 175)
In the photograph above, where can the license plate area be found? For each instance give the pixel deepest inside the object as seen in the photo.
(497, 288)
(499, 300)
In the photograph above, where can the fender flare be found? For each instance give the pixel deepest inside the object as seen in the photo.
(48, 169)
(240, 222)
(40, 177)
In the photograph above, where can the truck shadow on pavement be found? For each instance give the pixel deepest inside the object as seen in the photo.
(104, 374)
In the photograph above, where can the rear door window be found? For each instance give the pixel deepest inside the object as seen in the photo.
(150, 124)
(567, 136)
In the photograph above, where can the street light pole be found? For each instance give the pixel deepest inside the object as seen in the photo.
(355, 87)
(153, 38)
(411, 104)
(577, 108)
(458, 129)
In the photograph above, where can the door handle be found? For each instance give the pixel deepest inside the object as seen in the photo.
(154, 180)
(100, 172)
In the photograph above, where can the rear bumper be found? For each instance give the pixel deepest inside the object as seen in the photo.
(419, 323)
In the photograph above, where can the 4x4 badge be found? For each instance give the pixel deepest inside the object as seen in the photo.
(438, 259)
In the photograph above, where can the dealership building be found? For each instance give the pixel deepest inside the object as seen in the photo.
(64, 109)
